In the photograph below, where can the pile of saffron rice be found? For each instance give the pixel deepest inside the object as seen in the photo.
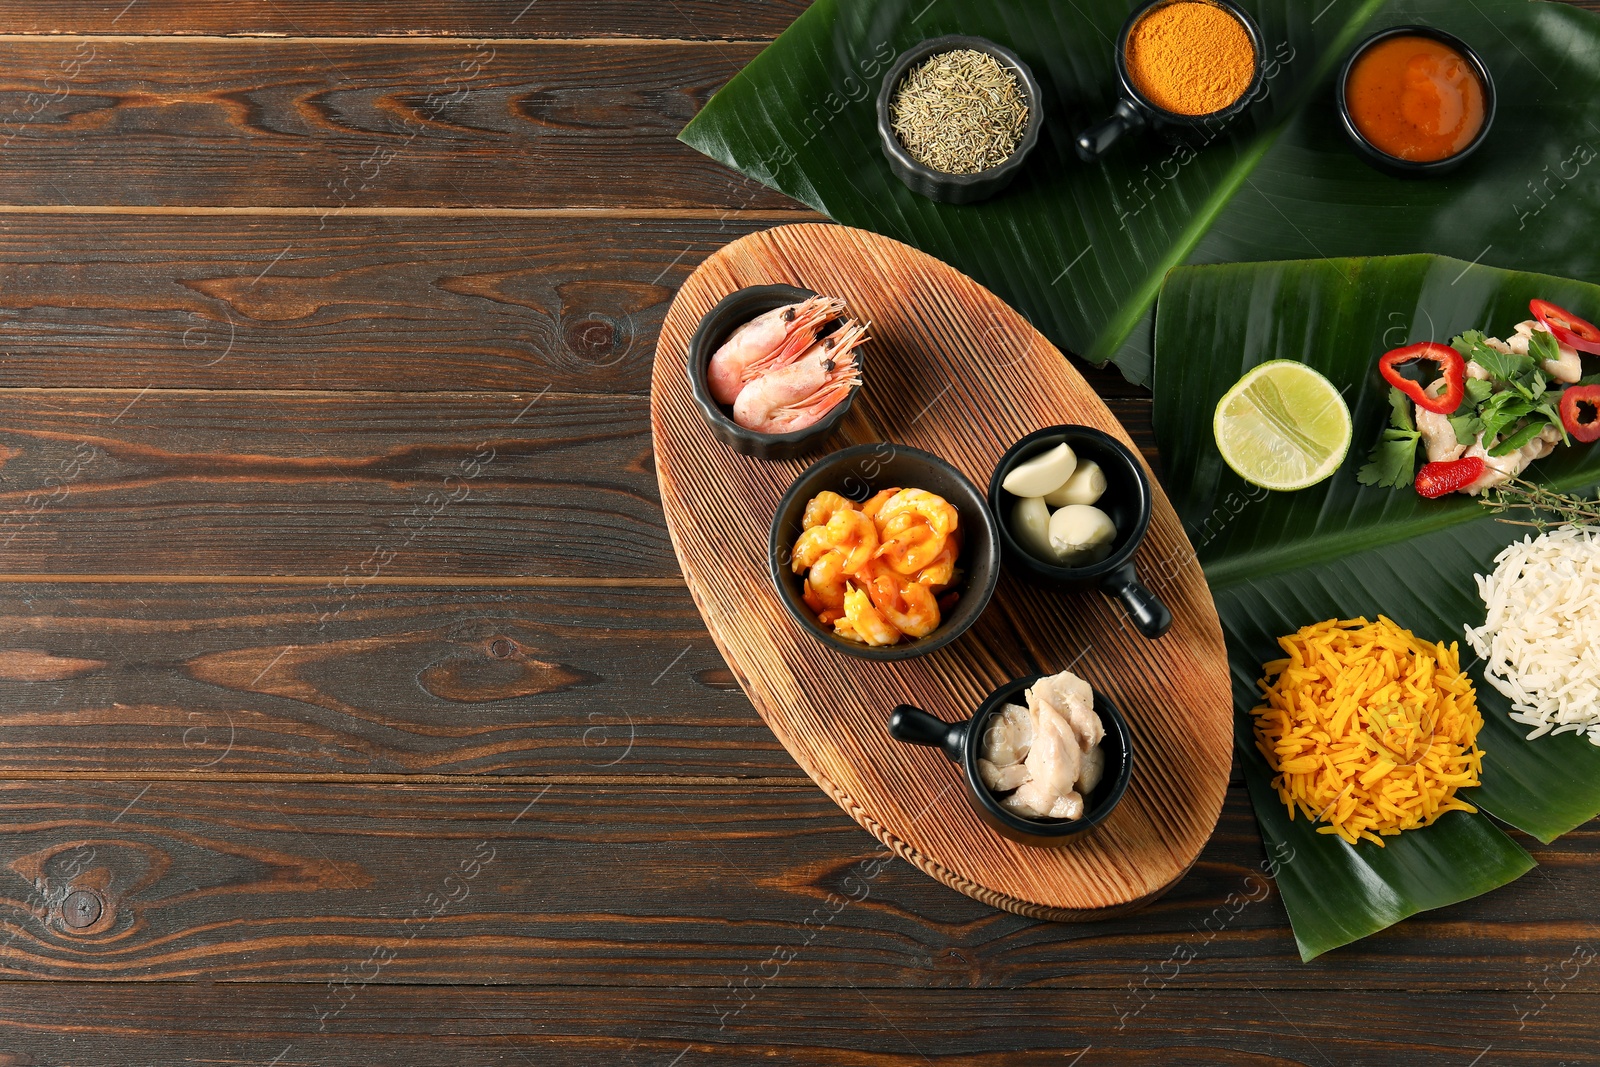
(1368, 729)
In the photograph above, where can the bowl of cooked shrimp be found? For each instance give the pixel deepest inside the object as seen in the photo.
(774, 369)
(883, 551)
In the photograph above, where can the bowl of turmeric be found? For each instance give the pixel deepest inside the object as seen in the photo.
(1186, 68)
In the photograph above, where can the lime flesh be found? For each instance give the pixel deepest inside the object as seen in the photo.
(1283, 426)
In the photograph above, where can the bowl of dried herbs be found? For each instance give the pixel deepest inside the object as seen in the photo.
(957, 116)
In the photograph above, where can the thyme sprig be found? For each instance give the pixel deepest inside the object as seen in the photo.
(1546, 508)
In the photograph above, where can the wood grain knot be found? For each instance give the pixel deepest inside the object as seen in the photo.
(498, 670)
(82, 910)
(592, 338)
(719, 678)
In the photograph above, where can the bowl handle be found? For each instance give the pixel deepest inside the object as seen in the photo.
(1150, 616)
(1097, 140)
(916, 727)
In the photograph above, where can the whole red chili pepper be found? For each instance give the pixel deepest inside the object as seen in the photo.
(1575, 400)
(1447, 475)
(1451, 367)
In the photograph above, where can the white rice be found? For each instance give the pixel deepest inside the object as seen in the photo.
(1541, 637)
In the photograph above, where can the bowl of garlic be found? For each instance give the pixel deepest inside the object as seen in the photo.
(1072, 504)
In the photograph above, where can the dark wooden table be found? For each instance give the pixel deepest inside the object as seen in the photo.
(354, 711)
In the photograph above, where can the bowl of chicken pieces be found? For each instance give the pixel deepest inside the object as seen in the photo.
(1045, 758)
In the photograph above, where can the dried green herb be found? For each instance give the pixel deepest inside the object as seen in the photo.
(959, 112)
(1545, 508)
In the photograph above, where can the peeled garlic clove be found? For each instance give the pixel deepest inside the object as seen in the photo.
(1044, 473)
(1081, 534)
(1087, 484)
(1030, 524)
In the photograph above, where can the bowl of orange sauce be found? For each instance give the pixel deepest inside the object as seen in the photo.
(1415, 101)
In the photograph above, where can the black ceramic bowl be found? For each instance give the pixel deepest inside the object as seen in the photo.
(936, 184)
(1134, 111)
(858, 472)
(1410, 168)
(1127, 501)
(731, 312)
(962, 743)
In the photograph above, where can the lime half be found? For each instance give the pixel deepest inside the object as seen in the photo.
(1283, 426)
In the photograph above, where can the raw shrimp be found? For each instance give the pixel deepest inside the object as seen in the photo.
(793, 397)
(848, 531)
(774, 339)
(862, 622)
(825, 587)
(909, 607)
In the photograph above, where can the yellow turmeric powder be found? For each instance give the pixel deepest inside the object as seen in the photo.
(1190, 57)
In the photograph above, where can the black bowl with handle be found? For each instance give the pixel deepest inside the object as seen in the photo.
(962, 742)
(1127, 501)
(1134, 111)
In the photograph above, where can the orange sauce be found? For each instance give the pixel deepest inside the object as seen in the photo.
(1415, 98)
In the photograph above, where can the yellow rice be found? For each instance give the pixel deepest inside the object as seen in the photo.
(1368, 729)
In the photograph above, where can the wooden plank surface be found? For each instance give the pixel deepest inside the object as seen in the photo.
(557, 1027)
(676, 19)
(627, 879)
(464, 302)
(337, 125)
(350, 676)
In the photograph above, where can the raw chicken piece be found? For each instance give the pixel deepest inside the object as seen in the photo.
(1502, 469)
(1438, 436)
(1002, 779)
(1569, 368)
(1009, 736)
(1045, 756)
(1053, 764)
(1072, 698)
(1094, 768)
(1067, 807)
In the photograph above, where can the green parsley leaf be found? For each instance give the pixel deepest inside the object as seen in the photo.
(1502, 411)
(1548, 410)
(1467, 428)
(1507, 368)
(1393, 461)
(1543, 347)
(1475, 392)
(1400, 411)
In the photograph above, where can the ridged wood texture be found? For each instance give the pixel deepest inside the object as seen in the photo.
(952, 370)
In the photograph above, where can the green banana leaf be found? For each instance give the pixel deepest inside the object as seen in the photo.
(1082, 249)
(1279, 561)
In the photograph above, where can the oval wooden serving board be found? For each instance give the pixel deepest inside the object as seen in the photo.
(953, 370)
